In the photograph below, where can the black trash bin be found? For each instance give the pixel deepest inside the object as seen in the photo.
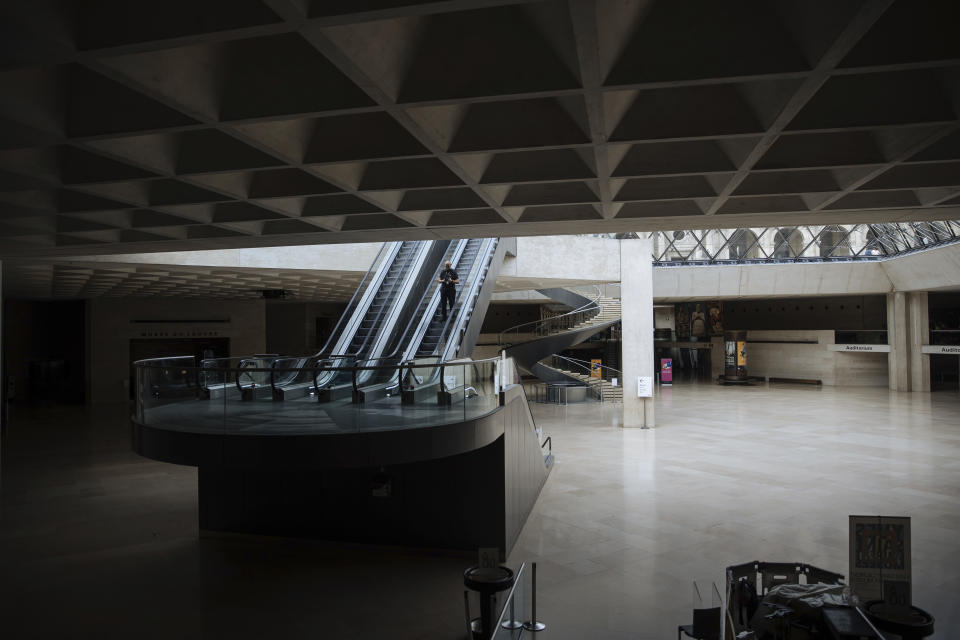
(488, 582)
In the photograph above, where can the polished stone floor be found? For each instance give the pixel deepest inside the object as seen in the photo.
(96, 542)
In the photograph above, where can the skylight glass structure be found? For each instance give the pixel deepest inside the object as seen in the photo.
(805, 243)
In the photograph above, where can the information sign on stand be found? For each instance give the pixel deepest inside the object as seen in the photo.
(644, 386)
(880, 559)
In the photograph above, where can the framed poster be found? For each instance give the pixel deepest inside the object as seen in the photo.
(595, 370)
(880, 558)
(715, 318)
(730, 354)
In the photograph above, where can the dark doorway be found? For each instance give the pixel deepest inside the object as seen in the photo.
(199, 348)
(689, 364)
(944, 372)
(323, 328)
(44, 351)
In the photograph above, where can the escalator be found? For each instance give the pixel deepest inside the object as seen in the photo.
(431, 338)
(367, 327)
(394, 317)
(439, 326)
(376, 325)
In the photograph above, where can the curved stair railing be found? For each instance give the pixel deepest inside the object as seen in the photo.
(557, 334)
(555, 324)
(581, 370)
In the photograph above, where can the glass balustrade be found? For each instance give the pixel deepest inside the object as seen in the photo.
(263, 395)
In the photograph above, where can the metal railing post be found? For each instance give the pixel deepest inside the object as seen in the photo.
(533, 625)
(466, 613)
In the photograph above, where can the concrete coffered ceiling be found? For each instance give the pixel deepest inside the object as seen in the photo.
(66, 278)
(164, 126)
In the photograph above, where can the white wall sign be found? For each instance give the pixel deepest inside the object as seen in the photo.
(941, 348)
(450, 382)
(644, 386)
(860, 348)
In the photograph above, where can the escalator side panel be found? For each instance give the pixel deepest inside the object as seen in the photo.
(479, 312)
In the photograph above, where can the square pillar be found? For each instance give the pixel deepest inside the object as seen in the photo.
(918, 318)
(898, 360)
(636, 306)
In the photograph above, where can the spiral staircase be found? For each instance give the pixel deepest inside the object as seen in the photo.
(604, 389)
(553, 335)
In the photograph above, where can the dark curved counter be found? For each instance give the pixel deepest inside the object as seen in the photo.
(463, 484)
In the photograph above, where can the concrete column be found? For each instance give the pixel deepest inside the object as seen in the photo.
(636, 305)
(918, 319)
(717, 356)
(898, 360)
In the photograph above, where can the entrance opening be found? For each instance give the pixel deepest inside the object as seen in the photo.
(944, 372)
(689, 364)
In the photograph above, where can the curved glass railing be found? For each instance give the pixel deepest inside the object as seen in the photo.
(801, 243)
(235, 396)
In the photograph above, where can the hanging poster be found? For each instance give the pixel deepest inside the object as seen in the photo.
(730, 355)
(741, 353)
(698, 321)
(715, 318)
(666, 370)
(683, 322)
(595, 371)
(880, 558)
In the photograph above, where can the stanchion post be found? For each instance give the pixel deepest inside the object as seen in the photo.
(533, 625)
(512, 623)
(466, 613)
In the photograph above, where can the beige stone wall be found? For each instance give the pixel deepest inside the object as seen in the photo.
(791, 359)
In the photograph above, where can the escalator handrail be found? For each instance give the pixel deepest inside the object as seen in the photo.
(398, 368)
(384, 331)
(432, 295)
(462, 310)
(405, 271)
(451, 317)
(431, 292)
(273, 369)
(381, 367)
(461, 313)
(366, 280)
(593, 305)
(242, 369)
(316, 368)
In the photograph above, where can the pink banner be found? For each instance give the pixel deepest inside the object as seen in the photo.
(666, 370)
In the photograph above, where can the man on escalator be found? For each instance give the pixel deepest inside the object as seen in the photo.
(448, 287)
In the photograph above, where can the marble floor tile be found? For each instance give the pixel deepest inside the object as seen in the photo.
(96, 542)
